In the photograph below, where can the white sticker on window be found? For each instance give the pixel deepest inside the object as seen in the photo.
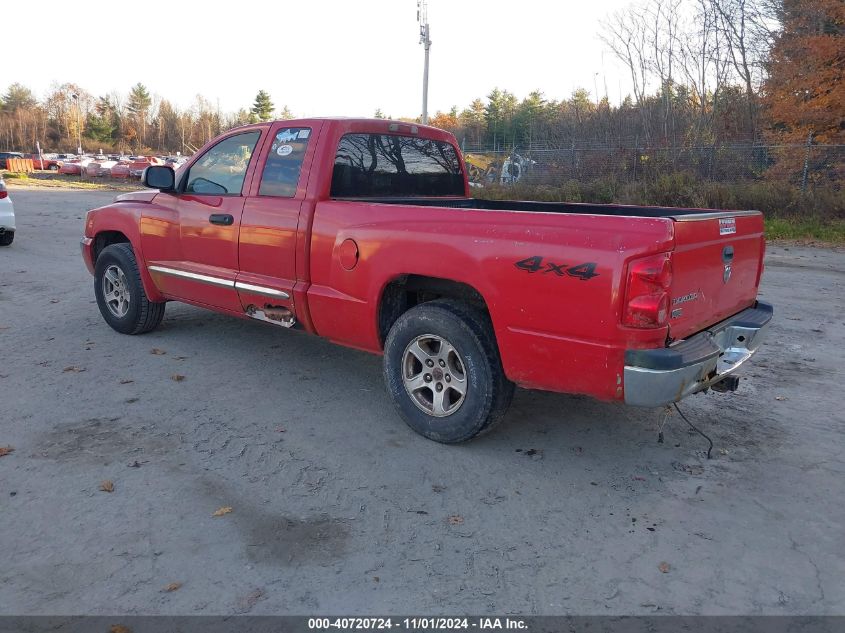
(287, 135)
(727, 226)
(304, 133)
(284, 150)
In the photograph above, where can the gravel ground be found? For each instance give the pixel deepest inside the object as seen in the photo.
(570, 506)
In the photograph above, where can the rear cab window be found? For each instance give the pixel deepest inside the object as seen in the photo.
(395, 166)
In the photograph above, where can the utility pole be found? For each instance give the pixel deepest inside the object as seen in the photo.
(425, 40)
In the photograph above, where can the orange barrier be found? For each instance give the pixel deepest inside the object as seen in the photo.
(20, 165)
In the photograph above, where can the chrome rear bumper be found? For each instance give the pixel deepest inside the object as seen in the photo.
(656, 377)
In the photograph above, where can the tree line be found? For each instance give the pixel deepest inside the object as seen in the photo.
(134, 122)
(704, 73)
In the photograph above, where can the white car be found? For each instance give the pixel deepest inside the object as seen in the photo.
(7, 216)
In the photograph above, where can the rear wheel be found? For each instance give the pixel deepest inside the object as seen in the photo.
(443, 371)
(120, 293)
(7, 238)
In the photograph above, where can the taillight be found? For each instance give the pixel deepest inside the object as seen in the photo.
(647, 292)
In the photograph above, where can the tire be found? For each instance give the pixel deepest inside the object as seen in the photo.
(126, 308)
(53, 168)
(7, 238)
(471, 362)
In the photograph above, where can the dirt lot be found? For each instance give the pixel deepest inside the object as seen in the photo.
(571, 506)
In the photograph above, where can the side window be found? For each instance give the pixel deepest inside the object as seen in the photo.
(284, 162)
(388, 165)
(222, 169)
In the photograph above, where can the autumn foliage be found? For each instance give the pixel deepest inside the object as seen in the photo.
(805, 91)
(804, 95)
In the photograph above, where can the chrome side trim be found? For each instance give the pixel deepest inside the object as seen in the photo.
(206, 279)
(694, 217)
(262, 290)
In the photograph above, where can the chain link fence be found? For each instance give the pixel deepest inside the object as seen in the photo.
(804, 165)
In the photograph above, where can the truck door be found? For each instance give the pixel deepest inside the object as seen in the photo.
(209, 207)
(270, 224)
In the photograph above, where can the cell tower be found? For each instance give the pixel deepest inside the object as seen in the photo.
(425, 40)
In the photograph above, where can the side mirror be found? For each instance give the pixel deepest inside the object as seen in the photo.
(158, 177)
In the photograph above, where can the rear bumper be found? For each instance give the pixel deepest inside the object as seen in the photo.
(656, 377)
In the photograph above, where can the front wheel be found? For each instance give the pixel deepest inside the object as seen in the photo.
(443, 371)
(7, 238)
(120, 293)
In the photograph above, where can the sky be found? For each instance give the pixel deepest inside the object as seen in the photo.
(318, 57)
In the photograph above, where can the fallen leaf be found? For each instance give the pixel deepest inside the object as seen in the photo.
(173, 586)
(126, 381)
(280, 429)
(438, 488)
(54, 300)
(74, 369)
(248, 601)
(180, 357)
(177, 377)
(5, 450)
(664, 567)
(107, 485)
(456, 519)
(119, 628)
(131, 400)
(637, 478)
(221, 511)
(157, 351)
(376, 579)
(781, 398)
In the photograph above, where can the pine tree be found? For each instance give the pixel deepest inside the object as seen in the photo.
(262, 109)
(139, 104)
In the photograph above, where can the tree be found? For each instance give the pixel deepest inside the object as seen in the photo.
(805, 90)
(744, 25)
(138, 105)
(99, 124)
(17, 97)
(262, 109)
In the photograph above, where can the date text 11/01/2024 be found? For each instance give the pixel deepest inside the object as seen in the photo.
(417, 624)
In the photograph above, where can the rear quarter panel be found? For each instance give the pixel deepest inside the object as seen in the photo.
(555, 330)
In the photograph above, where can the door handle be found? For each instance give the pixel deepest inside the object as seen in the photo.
(223, 219)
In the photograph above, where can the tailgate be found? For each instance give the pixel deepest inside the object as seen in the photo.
(716, 268)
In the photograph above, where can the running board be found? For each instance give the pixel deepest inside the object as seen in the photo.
(276, 315)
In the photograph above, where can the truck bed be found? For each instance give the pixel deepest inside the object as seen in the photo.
(584, 208)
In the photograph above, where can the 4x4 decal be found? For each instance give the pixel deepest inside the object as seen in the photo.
(584, 272)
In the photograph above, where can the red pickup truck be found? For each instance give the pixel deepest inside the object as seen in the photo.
(363, 232)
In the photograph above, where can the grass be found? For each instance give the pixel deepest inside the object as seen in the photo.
(806, 229)
(790, 214)
(51, 180)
